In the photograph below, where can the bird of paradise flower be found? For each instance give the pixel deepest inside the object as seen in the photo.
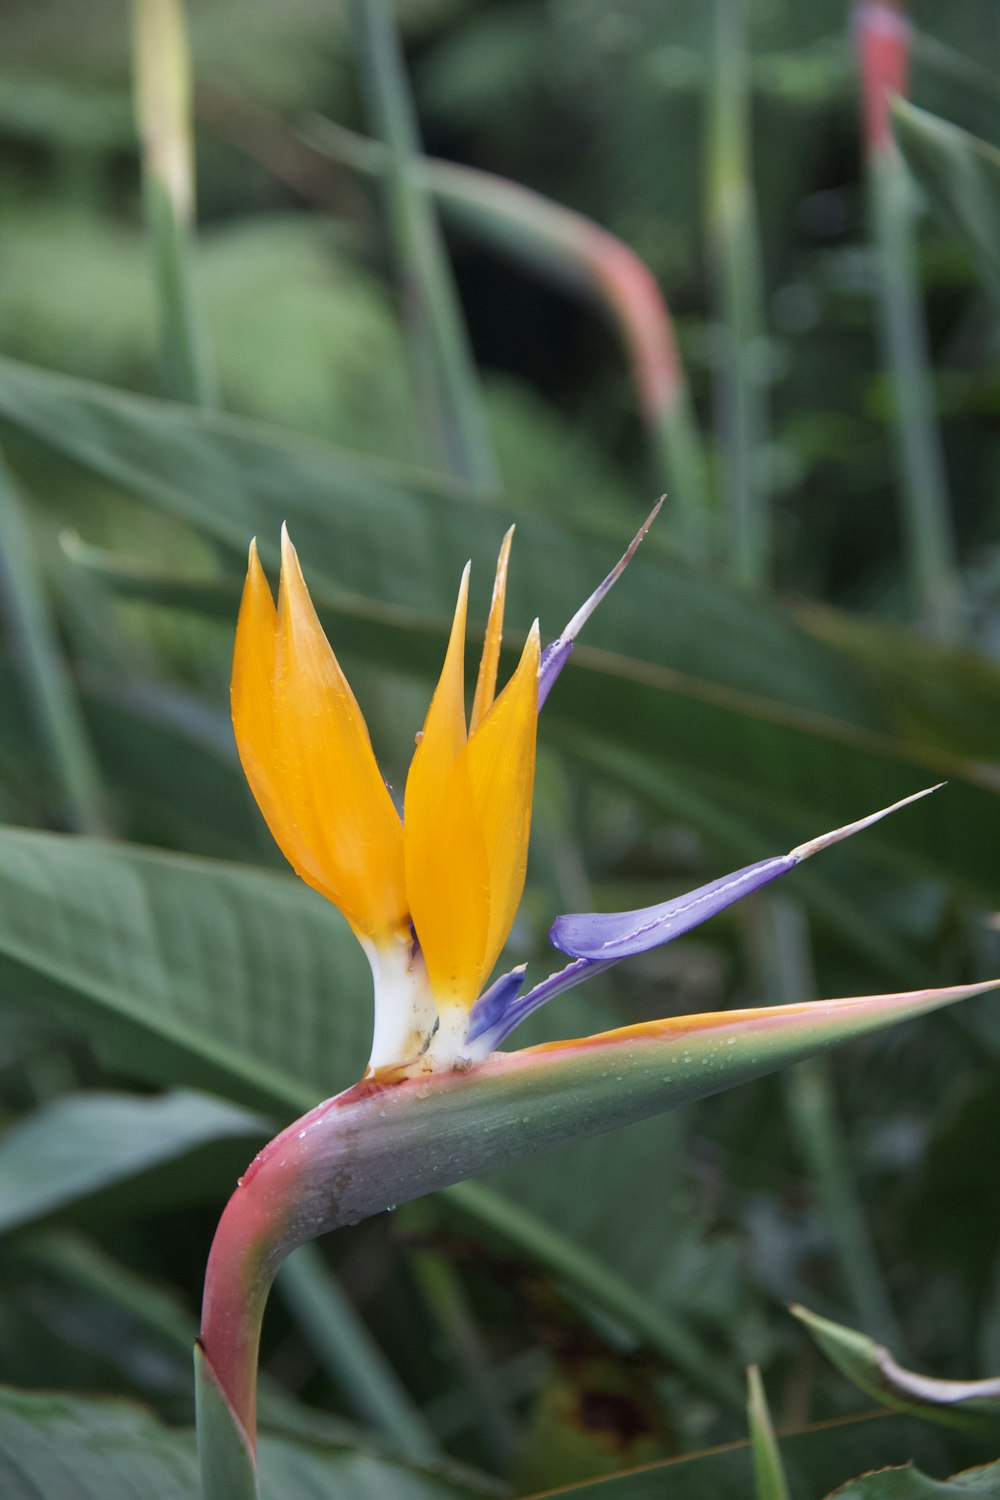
(432, 897)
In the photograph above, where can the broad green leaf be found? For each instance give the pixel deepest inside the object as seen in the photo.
(961, 176)
(82, 1145)
(123, 1320)
(970, 1404)
(168, 762)
(908, 1483)
(185, 970)
(66, 1448)
(719, 691)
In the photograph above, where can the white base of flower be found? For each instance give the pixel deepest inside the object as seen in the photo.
(405, 1013)
(449, 1047)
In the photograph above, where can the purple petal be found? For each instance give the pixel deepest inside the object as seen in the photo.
(495, 1002)
(506, 1010)
(557, 653)
(611, 935)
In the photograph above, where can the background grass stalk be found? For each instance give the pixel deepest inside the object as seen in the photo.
(740, 350)
(930, 544)
(883, 40)
(448, 1304)
(350, 1356)
(162, 86)
(768, 1471)
(448, 382)
(787, 969)
(47, 682)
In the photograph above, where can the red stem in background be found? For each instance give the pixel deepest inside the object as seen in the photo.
(883, 35)
(644, 318)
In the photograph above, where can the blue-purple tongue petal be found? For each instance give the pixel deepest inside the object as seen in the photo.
(494, 1003)
(613, 935)
(621, 934)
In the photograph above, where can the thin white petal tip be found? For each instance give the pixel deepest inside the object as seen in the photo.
(585, 611)
(813, 846)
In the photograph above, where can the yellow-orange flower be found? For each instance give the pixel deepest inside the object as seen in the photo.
(454, 867)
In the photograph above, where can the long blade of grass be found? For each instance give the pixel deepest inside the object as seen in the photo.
(350, 1355)
(162, 85)
(448, 1304)
(882, 34)
(432, 307)
(768, 1471)
(788, 972)
(740, 353)
(30, 628)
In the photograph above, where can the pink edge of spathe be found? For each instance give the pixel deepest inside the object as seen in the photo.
(277, 1205)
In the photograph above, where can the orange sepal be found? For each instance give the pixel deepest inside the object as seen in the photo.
(308, 758)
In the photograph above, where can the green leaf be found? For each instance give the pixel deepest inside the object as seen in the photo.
(66, 1448)
(768, 1473)
(225, 1456)
(970, 1404)
(961, 176)
(908, 1483)
(80, 1146)
(185, 970)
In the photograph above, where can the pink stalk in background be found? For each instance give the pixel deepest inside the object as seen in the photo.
(883, 41)
(883, 38)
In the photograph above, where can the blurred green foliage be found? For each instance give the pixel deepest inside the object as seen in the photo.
(706, 726)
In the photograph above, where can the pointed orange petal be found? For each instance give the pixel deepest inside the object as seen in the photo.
(447, 876)
(486, 682)
(253, 671)
(501, 759)
(327, 805)
(252, 697)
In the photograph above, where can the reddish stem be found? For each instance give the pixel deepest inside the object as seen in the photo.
(883, 42)
(261, 1224)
